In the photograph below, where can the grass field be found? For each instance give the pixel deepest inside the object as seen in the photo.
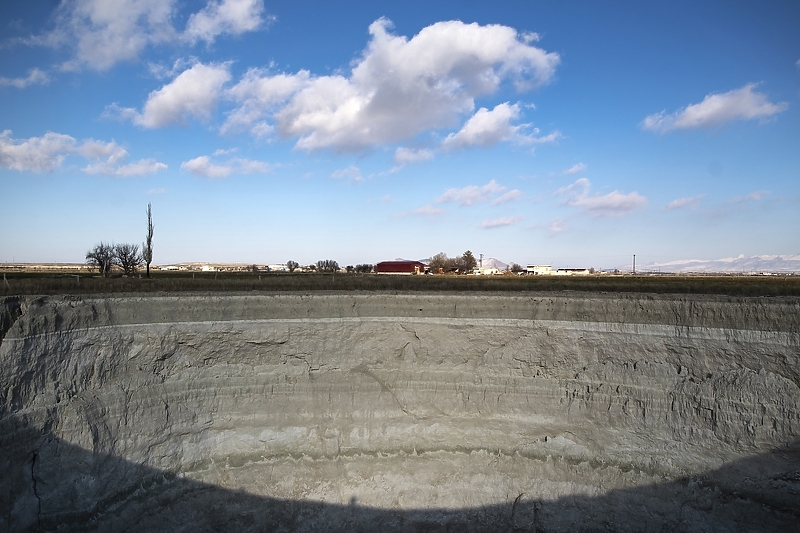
(18, 283)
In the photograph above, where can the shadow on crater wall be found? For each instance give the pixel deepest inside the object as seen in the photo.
(43, 478)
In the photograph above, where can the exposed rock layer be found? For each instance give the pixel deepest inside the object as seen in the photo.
(411, 410)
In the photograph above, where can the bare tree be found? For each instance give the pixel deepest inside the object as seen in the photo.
(516, 268)
(102, 256)
(147, 247)
(439, 263)
(328, 265)
(128, 258)
(292, 265)
(364, 268)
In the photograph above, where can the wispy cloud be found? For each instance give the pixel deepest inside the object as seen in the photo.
(501, 222)
(351, 173)
(510, 196)
(716, 109)
(680, 203)
(35, 77)
(574, 169)
(752, 197)
(153, 192)
(203, 167)
(405, 156)
(428, 210)
(601, 205)
(471, 194)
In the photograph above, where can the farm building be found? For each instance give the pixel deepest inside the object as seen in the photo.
(400, 267)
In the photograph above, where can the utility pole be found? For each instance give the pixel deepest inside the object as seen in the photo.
(481, 260)
(634, 263)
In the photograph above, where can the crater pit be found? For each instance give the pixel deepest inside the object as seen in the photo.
(400, 412)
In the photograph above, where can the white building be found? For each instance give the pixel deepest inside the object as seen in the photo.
(540, 270)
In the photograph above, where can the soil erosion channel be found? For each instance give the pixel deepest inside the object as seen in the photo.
(400, 412)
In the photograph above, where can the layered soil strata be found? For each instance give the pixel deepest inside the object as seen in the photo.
(409, 411)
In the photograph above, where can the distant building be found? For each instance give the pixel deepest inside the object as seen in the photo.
(400, 267)
(486, 271)
(540, 270)
(547, 270)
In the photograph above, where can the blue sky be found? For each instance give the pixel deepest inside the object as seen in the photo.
(571, 133)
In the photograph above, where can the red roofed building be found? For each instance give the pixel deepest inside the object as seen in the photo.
(400, 267)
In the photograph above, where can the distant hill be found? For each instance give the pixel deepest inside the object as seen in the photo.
(494, 263)
(740, 264)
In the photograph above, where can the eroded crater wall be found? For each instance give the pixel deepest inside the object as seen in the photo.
(401, 401)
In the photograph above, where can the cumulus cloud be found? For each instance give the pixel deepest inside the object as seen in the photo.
(574, 169)
(229, 16)
(606, 205)
(46, 153)
(510, 196)
(500, 222)
(195, 92)
(105, 32)
(203, 167)
(396, 90)
(258, 95)
(351, 173)
(35, 77)
(471, 194)
(406, 156)
(487, 128)
(684, 202)
(716, 109)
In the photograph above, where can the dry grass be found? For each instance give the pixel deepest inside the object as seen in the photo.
(170, 282)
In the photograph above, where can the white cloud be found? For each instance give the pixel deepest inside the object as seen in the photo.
(471, 194)
(194, 93)
(105, 32)
(405, 156)
(716, 109)
(351, 173)
(259, 94)
(500, 222)
(37, 153)
(487, 128)
(398, 89)
(684, 202)
(606, 205)
(160, 190)
(35, 77)
(46, 153)
(510, 196)
(203, 166)
(574, 169)
(228, 16)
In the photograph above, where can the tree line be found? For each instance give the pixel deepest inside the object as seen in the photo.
(106, 256)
